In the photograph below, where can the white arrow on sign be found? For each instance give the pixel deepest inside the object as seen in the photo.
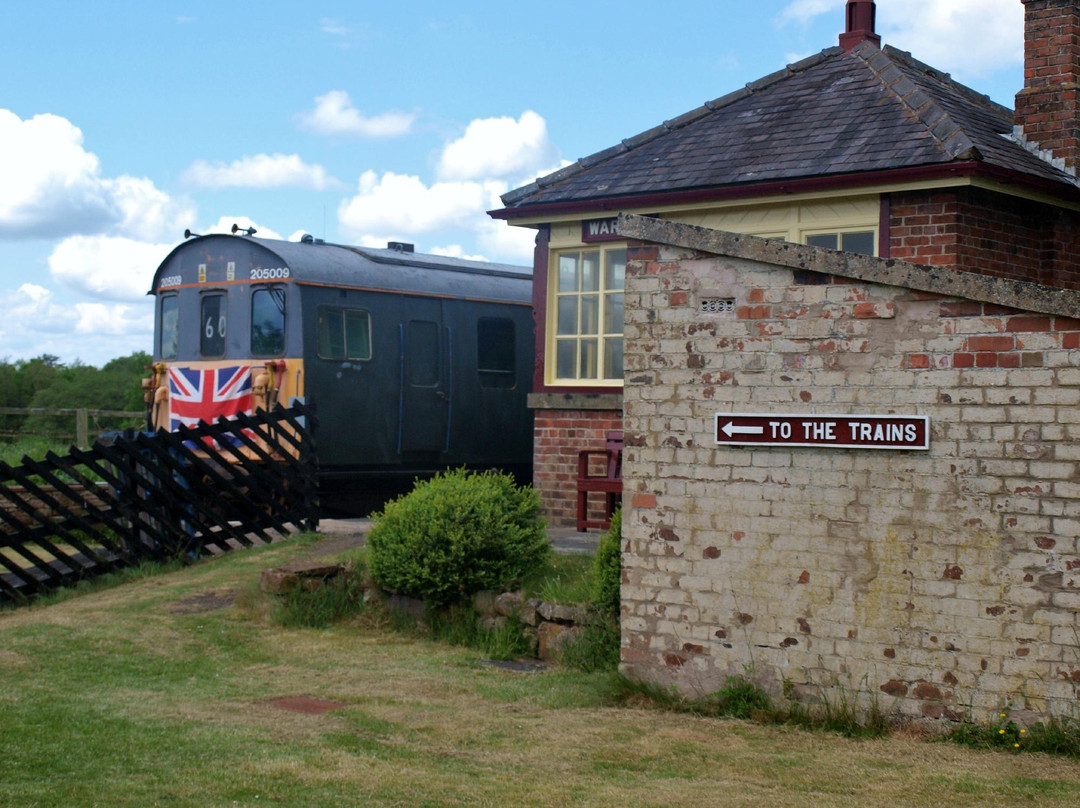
(730, 429)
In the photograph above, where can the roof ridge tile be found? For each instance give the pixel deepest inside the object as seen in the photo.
(946, 78)
(1046, 155)
(949, 134)
(561, 174)
(601, 156)
(729, 98)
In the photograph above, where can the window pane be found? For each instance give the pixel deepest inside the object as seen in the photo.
(331, 334)
(859, 243)
(357, 335)
(613, 358)
(170, 326)
(566, 354)
(212, 332)
(268, 322)
(823, 240)
(590, 271)
(588, 359)
(615, 270)
(495, 354)
(590, 312)
(613, 313)
(568, 273)
(567, 316)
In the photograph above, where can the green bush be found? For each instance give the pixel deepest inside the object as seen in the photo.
(456, 534)
(607, 570)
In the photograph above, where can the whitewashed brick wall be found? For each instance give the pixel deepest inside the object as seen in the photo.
(941, 583)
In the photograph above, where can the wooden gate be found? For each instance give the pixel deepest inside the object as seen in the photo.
(137, 496)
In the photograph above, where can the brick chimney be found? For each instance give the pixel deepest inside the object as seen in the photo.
(861, 15)
(1047, 109)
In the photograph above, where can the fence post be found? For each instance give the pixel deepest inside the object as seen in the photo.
(82, 428)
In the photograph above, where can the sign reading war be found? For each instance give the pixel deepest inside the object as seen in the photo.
(825, 431)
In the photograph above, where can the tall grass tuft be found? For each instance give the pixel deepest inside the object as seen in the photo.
(331, 602)
(1057, 736)
(741, 698)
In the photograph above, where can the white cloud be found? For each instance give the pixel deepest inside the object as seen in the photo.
(50, 183)
(334, 114)
(455, 251)
(402, 203)
(117, 268)
(512, 245)
(498, 148)
(117, 320)
(259, 171)
(106, 267)
(330, 26)
(473, 171)
(51, 187)
(35, 323)
(31, 308)
(805, 10)
(144, 211)
(971, 38)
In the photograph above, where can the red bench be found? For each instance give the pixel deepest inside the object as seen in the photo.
(608, 481)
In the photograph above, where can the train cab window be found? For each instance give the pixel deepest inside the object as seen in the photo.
(495, 352)
(212, 328)
(170, 326)
(268, 321)
(344, 334)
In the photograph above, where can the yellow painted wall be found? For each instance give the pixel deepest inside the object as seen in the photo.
(793, 221)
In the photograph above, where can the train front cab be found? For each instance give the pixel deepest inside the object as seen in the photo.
(221, 345)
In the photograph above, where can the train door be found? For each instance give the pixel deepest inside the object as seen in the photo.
(425, 380)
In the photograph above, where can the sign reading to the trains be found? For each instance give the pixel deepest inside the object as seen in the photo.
(824, 431)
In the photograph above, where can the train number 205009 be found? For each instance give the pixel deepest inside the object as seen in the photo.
(269, 273)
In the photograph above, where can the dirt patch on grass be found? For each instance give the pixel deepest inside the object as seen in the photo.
(204, 602)
(304, 704)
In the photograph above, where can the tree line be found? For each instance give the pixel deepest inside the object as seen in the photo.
(46, 382)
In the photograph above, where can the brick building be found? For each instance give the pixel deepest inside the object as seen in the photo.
(858, 148)
(936, 575)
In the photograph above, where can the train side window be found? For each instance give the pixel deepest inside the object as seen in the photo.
(268, 321)
(496, 360)
(170, 326)
(344, 334)
(212, 325)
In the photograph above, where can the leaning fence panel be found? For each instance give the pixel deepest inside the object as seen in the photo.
(133, 497)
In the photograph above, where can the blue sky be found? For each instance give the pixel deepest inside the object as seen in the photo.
(123, 123)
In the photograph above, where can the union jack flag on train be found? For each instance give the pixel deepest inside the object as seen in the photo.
(206, 395)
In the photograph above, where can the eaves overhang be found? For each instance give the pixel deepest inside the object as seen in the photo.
(1069, 195)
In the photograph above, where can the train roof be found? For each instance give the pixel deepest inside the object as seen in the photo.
(313, 261)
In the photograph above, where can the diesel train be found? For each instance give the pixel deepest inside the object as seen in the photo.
(415, 363)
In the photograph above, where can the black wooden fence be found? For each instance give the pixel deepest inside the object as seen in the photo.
(136, 496)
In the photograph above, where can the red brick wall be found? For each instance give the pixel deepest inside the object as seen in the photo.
(1048, 106)
(987, 233)
(558, 437)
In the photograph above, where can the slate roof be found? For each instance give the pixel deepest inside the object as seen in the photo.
(832, 114)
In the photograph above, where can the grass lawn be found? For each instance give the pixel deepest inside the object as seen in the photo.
(161, 692)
